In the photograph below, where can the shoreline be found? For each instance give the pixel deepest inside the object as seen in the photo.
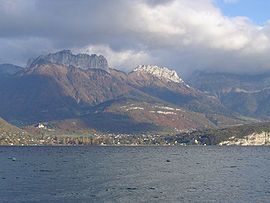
(172, 146)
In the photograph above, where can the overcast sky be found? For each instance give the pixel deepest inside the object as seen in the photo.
(221, 35)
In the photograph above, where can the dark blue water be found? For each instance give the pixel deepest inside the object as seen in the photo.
(135, 174)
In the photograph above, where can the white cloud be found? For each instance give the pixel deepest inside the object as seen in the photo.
(126, 59)
(230, 1)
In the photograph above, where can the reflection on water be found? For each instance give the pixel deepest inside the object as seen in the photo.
(134, 174)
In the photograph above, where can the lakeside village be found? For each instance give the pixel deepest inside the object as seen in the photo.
(95, 139)
(23, 138)
(51, 137)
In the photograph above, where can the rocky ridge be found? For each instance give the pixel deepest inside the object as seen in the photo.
(66, 57)
(162, 73)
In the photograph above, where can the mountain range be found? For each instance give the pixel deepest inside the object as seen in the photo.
(246, 94)
(62, 86)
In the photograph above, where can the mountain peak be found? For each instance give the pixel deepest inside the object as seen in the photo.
(66, 57)
(65, 51)
(160, 72)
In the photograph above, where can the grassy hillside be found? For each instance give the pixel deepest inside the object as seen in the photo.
(11, 135)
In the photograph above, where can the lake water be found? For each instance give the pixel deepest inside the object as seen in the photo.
(135, 174)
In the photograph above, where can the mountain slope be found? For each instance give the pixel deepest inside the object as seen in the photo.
(152, 114)
(56, 91)
(168, 86)
(6, 128)
(246, 94)
(10, 134)
(33, 98)
(90, 86)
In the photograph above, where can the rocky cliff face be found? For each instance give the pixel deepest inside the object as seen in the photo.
(254, 139)
(66, 57)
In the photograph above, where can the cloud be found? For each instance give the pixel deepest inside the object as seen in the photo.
(230, 1)
(122, 59)
(181, 34)
(19, 50)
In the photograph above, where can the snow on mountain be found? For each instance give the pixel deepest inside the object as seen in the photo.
(160, 72)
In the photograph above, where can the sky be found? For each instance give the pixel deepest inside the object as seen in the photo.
(216, 35)
(256, 10)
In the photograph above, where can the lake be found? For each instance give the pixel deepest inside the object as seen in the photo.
(135, 174)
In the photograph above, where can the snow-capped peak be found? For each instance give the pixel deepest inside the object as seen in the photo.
(160, 72)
